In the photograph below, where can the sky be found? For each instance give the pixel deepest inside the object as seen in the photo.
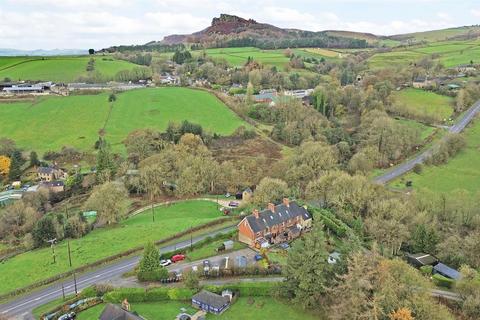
(83, 24)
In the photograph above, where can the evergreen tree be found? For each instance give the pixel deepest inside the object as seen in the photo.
(105, 163)
(44, 230)
(307, 270)
(16, 165)
(34, 159)
(424, 239)
(150, 259)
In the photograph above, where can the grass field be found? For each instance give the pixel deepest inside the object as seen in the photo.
(262, 308)
(277, 58)
(449, 53)
(440, 35)
(36, 265)
(209, 250)
(58, 69)
(461, 172)
(419, 103)
(53, 122)
(425, 131)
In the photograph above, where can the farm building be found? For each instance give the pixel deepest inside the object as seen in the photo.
(24, 89)
(446, 271)
(422, 82)
(244, 195)
(421, 259)
(212, 302)
(54, 186)
(276, 224)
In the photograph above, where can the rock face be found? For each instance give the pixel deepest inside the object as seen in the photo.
(229, 27)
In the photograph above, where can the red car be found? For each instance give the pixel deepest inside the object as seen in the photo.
(178, 257)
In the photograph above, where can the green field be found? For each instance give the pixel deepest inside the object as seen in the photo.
(425, 131)
(277, 58)
(58, 69)
(439, 35)
(461, 172)
(262, 308)
(52, 122)
(209, 250)
(419, 103)
(37, 265)
(450, 54)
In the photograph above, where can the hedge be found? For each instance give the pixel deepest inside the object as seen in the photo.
(156, 275)
(442, 281)
(332, 222)
(250, 289)
(148, 295)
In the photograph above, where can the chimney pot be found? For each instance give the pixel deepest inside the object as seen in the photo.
(256, 213)
(286, 202)
(271, 207)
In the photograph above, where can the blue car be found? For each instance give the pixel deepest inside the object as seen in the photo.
(258, 257)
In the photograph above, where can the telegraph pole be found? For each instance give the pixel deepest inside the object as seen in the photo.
(70, 263)
(52, 244)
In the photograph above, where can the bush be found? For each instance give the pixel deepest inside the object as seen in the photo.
(418, 168)
(148, 295)
(426, 270)
(442, 281)
(155, 275)
(259, 289)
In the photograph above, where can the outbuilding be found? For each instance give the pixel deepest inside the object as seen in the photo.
(211, 302)
(421, 259)
(446, 271)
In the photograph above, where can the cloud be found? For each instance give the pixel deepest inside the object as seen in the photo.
(475, 12)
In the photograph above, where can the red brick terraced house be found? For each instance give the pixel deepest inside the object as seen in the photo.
(276, 224)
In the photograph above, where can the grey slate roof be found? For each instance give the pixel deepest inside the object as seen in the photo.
(212, 299)
(114, 312)
(45, 170)
(446, 271)
(268, 219)
(424, 258)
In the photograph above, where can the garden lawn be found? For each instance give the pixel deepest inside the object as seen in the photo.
(417, 102)
(461, 172)
(59, 69)
(49, 123)
(36, 265)
(92, 313)
(263, 308)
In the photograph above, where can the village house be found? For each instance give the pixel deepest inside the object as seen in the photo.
(212, 302)
(276, 224)
(49, 174)
(422, 82)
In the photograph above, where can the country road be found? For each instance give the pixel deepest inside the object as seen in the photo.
(405, 167)
(21, 307)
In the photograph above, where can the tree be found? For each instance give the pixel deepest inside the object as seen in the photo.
(110, 202)
(34, 162)
(306, 272)
(105, 163)
(149, 268)
(16, 164)
(424, 239)
(4, 165)
(401, 314)
(270, 190)
(44, 230)
(469, 288)
(152, 178)
(7, 147)
(91, 51)
(190, 278)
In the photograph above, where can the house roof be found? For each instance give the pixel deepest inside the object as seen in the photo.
(268, 219)
(446, 271)
(265, 96)
(212, 299)
(115, 312)
(45, 170)
(424, 258)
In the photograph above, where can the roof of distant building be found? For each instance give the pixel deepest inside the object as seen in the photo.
(211, 299)
(115, 312)
(446, 271)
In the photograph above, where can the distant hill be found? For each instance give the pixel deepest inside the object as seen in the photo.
(459, 33)
(233, 31)
(41, 52)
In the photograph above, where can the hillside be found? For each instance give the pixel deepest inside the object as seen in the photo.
(459, 33)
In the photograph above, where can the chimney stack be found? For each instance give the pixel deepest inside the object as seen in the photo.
(286, 202)
(256, 213)
(271, 207)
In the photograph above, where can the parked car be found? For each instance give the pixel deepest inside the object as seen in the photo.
(258, 257)
(194, 268)
(227, 195)
(233, 204)
(206, 266)
(178, 257)
(68, 316)
(165, 263)
(284, 245)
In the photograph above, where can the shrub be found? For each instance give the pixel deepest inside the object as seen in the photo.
(154, 275)
(259, 289)
(442, 281)
(148, 295)
(418, 168)
(426, 270)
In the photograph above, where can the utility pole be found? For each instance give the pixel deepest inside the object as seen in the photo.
(70, 263)
(63, 292)
(191, 238)
(52, 244)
